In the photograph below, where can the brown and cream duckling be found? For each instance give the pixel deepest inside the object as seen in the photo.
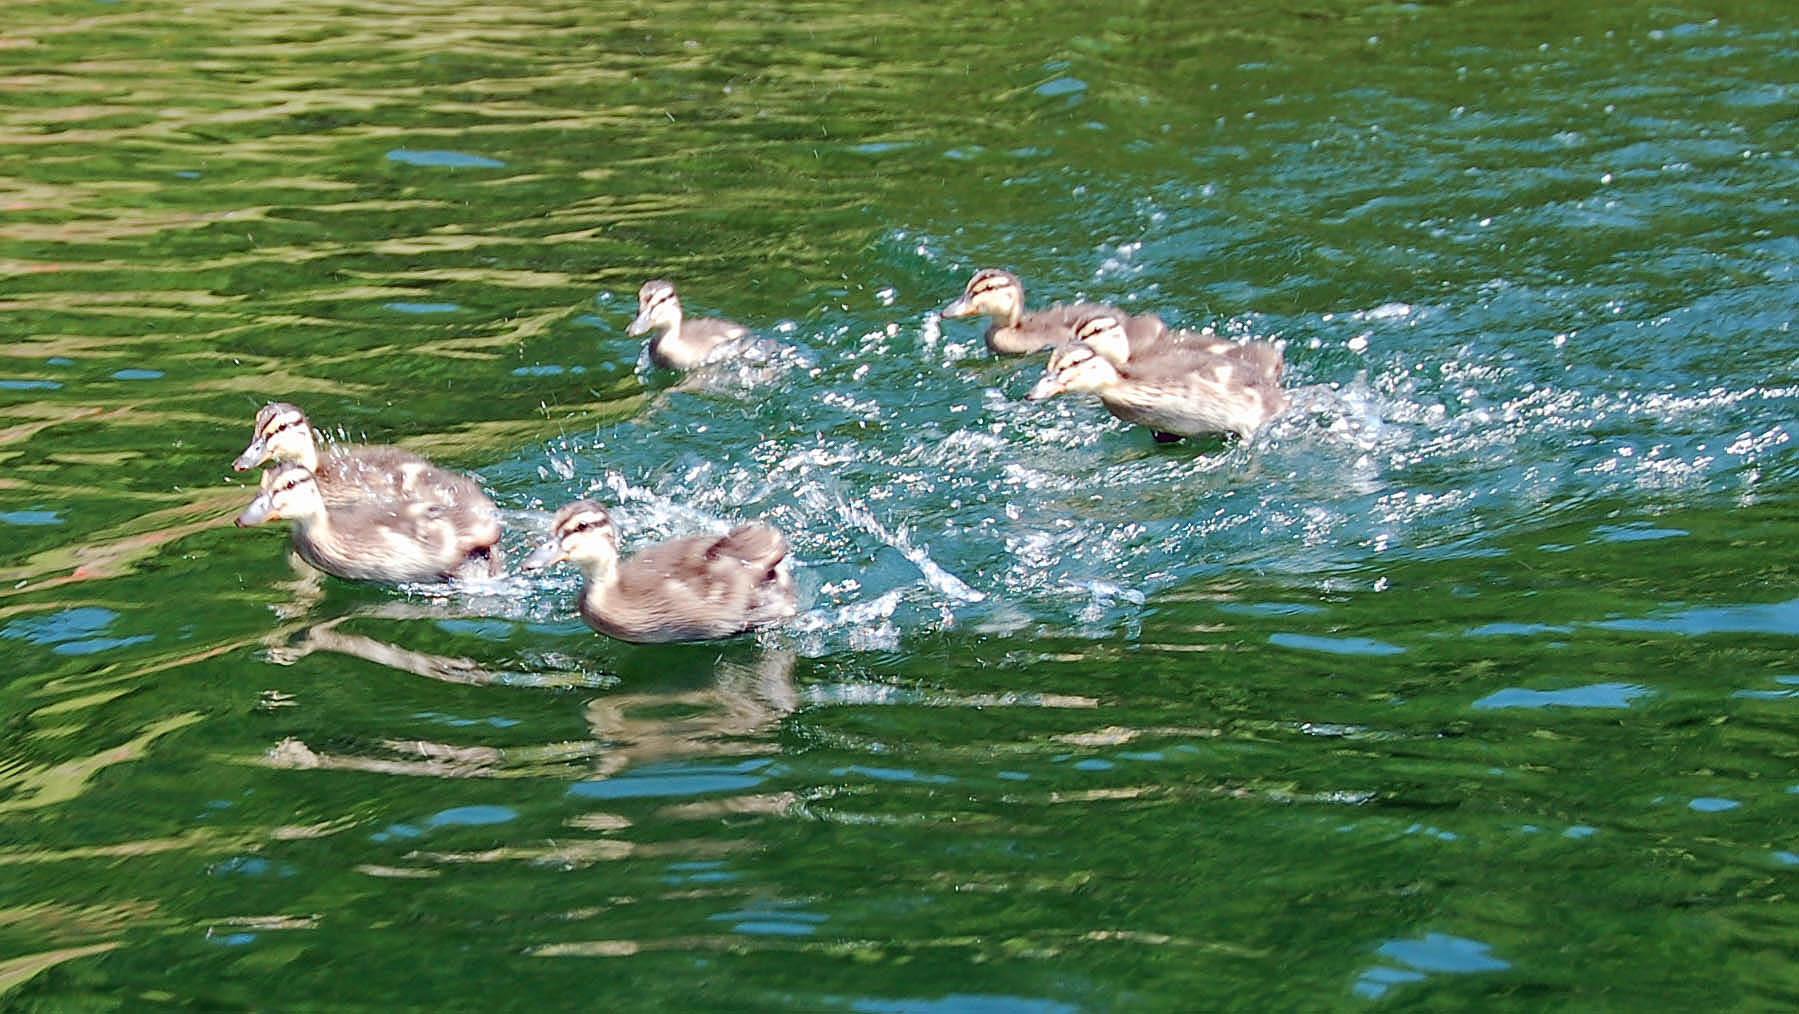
(398, 542)
(350, 475)
(679, 344)
(692, 589)
(1179, 390)
(998, 295)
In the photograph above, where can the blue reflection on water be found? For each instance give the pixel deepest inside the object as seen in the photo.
(1713, 804)
(1061, 86)
(1637, 533)
(963, 1003)
(1517, 629)
(422, 307)
(1436, 952)
(1756, 618)
(29, 518)
(471, 816)
(69, 631)
(28, 385)
(1597, 695)
(137, 375)
(443, 159)
(771, 922)
(460, 816)
(893, 774)
(673, 780)
(1335, 645)
(1440, 952)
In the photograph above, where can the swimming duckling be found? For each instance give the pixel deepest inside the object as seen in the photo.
(694, 589)
(351, 475)
(398, 542)
(1143, 338)
(680, 344)
(999, 295)
(1176, 392)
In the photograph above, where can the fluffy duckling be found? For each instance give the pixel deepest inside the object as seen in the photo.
(1141, 339)
(998, 294)
(1178, 391)
(371, 473)
(399, 542)
(679, 344)
(693, 589)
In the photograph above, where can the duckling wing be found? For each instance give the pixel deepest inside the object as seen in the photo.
(702, 587)
(1263, 357)
(1193, 394)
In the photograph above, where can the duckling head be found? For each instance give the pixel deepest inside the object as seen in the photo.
(1074, 367)
(1105, 334)
(281, 434)
(993, 292)
(658, 308)
(289, 493)
(583, 534)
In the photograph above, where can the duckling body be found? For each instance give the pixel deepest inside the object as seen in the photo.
(355, 475)
(999, 295)
(1180, 390)
(698, 588)
(679, 343)
(399, 542)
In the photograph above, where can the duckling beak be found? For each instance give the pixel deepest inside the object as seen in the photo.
(253, 455)
(544, 555)
(639, 324)
(958, 307)
(1050, 386)
(261, 509)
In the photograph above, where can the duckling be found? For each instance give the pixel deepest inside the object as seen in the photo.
(999, 295)
(352, 475)
(679, 344)
(693, 589)
(1178, 391)
(1143, 338)
(394, 543)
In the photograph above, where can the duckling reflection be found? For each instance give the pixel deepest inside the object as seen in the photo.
(734, 715)
(289, 644)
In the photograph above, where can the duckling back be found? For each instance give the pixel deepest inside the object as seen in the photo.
(696, 589)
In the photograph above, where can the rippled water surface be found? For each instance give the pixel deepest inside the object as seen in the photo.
(1469, 682)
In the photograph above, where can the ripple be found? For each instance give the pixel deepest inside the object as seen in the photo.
(1597, 695)
(1335, 645)
(443, 159)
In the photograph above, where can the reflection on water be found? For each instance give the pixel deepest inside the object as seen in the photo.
(1495, 617)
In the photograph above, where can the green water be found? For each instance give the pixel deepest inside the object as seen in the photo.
(1470, 684)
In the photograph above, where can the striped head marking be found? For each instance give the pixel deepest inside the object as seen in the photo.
(289, 492)
(657, 307)
(281, 433)
(1074, 367)
(992, 292)
(1105, 334)
(582, 531)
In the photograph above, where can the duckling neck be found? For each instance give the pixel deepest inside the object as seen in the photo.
(307, 454)
(314, 537)
(600, 577)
